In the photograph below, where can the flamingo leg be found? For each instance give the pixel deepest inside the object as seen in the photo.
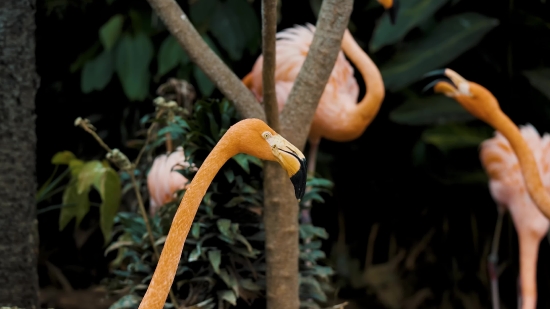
(528, 256)
(493, 261)
(311, 160)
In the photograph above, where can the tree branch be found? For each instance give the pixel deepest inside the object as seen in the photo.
(269, 29)
(200, 53)
(302, 101)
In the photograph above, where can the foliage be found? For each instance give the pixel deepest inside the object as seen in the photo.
(223, 259)
(83, 176)
(125, 45)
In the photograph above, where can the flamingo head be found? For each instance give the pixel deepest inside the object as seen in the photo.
(256, 138)
(392, 6)
(476, 99)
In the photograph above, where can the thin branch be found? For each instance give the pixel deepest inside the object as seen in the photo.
(269, 29)
(200, 53)
(302, 101)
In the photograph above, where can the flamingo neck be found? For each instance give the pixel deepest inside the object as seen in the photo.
(526, 159)
(162, 280)
(370, 104)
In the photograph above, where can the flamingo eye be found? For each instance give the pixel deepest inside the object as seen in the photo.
(266, 135)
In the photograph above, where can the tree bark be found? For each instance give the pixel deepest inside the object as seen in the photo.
(18, 84)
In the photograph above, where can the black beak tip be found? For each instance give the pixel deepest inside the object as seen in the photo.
(299, 180)
(436, 73)
(393, 11)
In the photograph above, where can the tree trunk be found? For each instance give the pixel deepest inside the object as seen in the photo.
(18, 84)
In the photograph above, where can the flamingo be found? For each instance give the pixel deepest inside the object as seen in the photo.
(163, 181)
(530, 225)
(250, 136)
(508, 190)
(338, 116)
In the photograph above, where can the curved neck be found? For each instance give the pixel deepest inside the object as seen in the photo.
(374, 95)
(526, 159)
(160, 285)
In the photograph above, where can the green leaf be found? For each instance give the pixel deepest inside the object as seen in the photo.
(110, 190)
(215, 259)
(194, 255)
(228, 296)
(89, 173)
(133, 56)
(224, 226)
(75, 205)
(243, 159)
(63, 158)
(540, 79)
(450, 137)
(84, 57)
(110, 31)
(436, 109)
(97, 73)
(196, 230)
(448, 40)
(308, 231)
(206, 87)
(249, 24)
(225, 27)
(170, 55)
(314, 288)
(229, 175)
(411, 13)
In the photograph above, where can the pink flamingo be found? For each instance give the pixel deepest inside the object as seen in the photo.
(163, 181)
(338, 116)
(508, 190)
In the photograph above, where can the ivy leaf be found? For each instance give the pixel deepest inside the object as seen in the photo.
(133, 56)
(200, 11)
(452, 37)
(63, 158)
(170, 55)
(215, 259)
(109, 188)
(110, 31)
(75, 205)
(196, 230)
(97, 73)
(229, 175)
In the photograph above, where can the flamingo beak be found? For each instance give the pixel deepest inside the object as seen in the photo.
(292, 160)
(449, 83)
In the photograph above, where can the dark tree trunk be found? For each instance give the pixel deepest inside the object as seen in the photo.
(18, 84)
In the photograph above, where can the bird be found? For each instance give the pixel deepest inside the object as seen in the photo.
(508, 190)
(163, 180)
(250, 136)
(338, 116)
(482, 104)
